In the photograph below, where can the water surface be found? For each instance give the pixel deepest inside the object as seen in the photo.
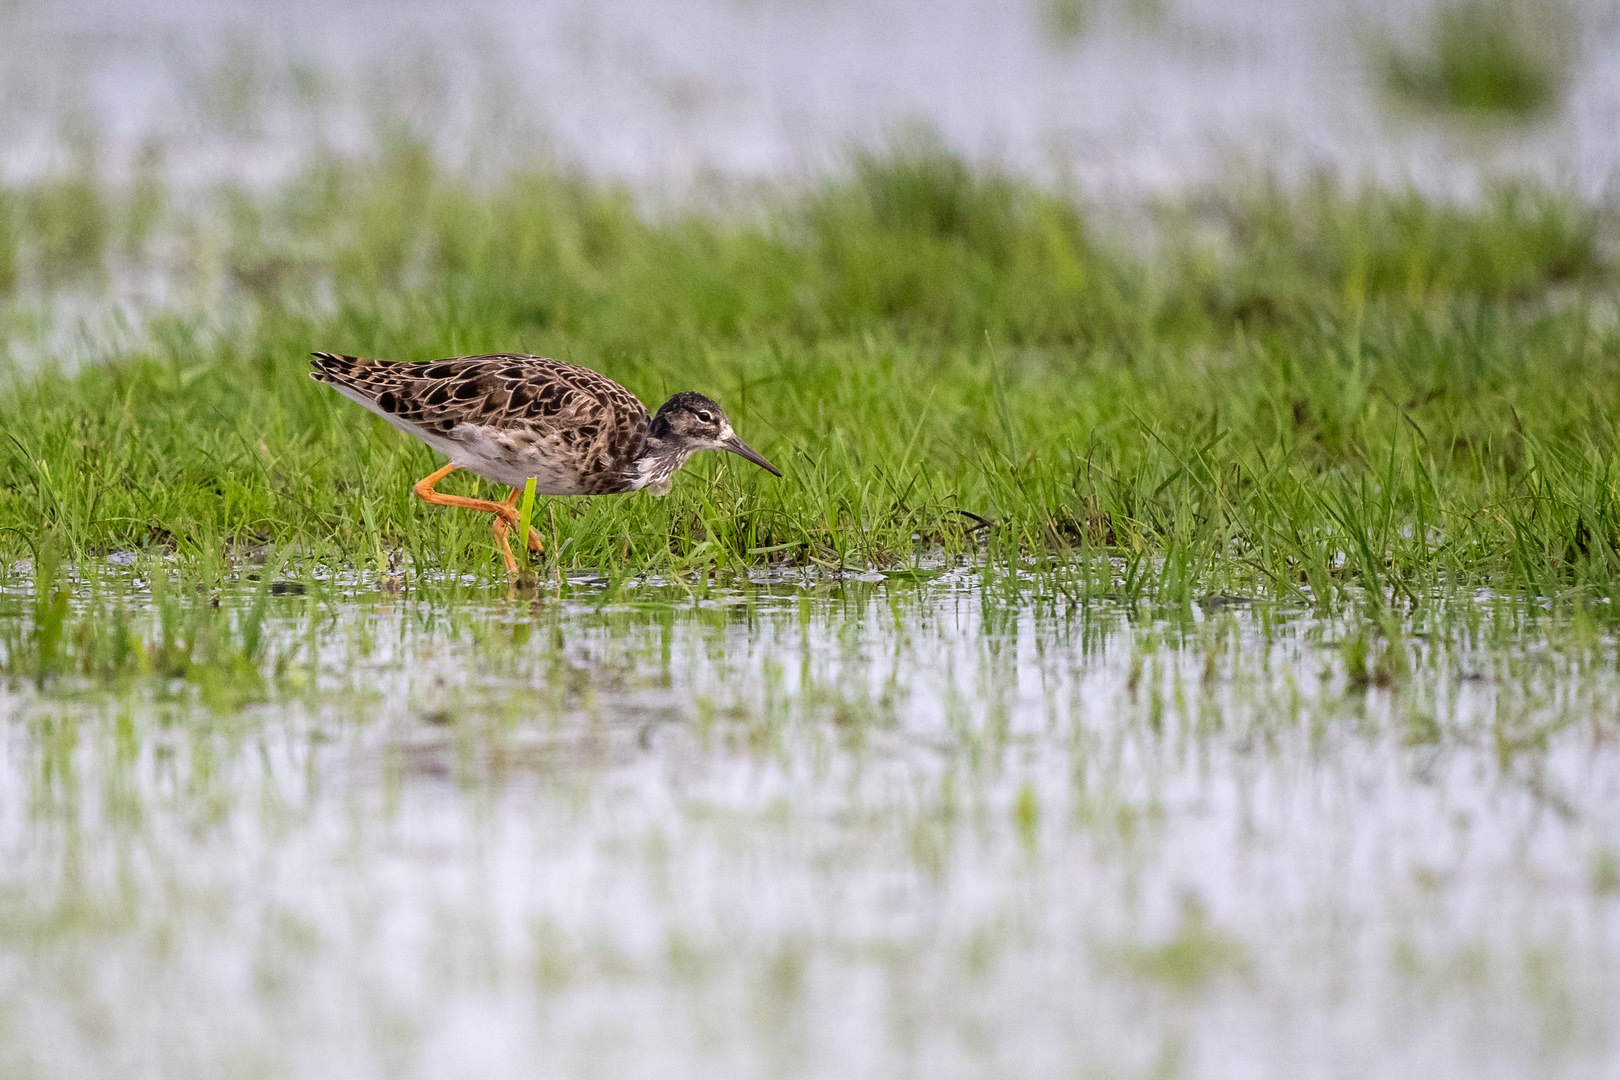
(802, 826)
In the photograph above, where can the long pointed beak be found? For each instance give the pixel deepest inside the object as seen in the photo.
(742, 449)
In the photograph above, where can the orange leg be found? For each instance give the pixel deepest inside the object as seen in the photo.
(506, 513)
(501, 528)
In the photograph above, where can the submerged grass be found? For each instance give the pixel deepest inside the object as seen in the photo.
(1294, 393)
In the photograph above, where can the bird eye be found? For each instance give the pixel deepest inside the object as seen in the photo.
(705, 417)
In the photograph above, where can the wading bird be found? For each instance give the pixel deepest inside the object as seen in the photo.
(508, 418)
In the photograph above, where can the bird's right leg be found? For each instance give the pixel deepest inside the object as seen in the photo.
(534, 536)
(500, 542)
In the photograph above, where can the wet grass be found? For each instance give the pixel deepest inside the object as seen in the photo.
(1303, 394)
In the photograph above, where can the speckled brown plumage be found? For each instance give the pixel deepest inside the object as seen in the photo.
(574, 421)
(510, 418)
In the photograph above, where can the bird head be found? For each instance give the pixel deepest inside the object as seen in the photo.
(693, 422)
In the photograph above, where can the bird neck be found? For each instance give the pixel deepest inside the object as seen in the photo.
(659, 460)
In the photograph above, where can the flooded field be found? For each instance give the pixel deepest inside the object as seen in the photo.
(948, 822)
(1183, 643)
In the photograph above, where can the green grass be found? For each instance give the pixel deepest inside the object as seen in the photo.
(1289, 393)
(1488, 57)
(1065, 21)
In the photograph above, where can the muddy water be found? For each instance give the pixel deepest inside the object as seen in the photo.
(816, 828)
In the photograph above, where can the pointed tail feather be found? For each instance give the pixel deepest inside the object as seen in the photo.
(369, 377)
(334, 367)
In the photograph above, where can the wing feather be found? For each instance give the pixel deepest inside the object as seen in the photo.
(592, 421)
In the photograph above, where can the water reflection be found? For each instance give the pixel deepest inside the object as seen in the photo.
(837, 828)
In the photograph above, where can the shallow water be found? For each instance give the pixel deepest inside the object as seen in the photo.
(1134, 97)
(798, 826)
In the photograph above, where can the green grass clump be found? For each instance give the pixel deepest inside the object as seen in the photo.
(182, 633)
(1194, 956)
(68, 222)
(1065, 21)
(8, 242)
(1306, 393)
(1488, 57)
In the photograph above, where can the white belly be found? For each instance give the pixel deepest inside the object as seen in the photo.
(479, 450)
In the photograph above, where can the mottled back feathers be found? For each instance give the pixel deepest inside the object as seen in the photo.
(506, 416)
